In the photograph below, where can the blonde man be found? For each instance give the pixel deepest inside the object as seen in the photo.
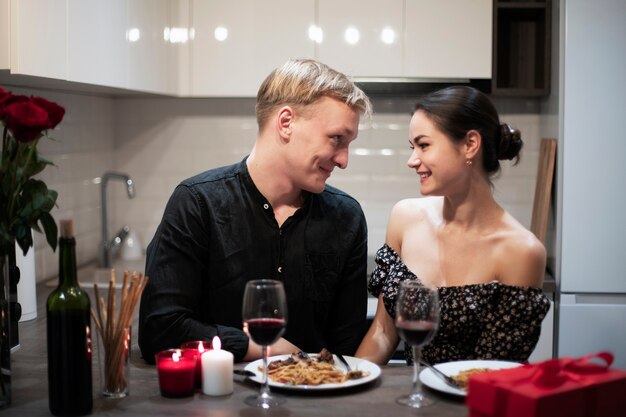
(269, 216)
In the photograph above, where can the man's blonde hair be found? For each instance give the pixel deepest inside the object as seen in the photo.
(300, 82)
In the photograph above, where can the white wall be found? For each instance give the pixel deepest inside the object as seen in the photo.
(160, 142)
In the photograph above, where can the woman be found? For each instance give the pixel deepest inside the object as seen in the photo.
(487, 267)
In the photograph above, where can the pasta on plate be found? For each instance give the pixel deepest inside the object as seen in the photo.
(302, 369)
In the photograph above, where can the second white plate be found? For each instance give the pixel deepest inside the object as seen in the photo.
(355, 364)
(431, 380)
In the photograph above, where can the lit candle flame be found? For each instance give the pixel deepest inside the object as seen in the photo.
(200, 347)
(217, 345)
(176, 356)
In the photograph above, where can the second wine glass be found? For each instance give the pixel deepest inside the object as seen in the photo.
(264, 314)
(417, 319)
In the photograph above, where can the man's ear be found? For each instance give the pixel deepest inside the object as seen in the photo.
(284, 120)
(473, 141)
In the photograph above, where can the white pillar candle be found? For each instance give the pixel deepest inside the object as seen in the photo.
(217, 370)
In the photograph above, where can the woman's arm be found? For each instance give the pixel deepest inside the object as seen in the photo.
(381, 339)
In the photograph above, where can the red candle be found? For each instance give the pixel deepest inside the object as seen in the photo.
(176, 371)
(198, 347)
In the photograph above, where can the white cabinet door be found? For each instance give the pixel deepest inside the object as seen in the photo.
(448, 38)
(148, 59)
(97, 47)
(38, 38)
(259, 36)
(362, 38)
(5, 35)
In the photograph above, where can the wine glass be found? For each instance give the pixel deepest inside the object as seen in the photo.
(265, 316)
(417, 318)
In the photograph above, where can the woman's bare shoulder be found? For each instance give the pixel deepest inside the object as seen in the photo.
(414, 208)
(521, 257)
(411, 216)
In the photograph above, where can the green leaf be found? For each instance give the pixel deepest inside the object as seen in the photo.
(50, 227)
(25, 243)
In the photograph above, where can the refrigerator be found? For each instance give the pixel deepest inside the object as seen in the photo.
(591, 187)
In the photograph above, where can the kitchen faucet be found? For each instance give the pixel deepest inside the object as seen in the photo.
(107, 246)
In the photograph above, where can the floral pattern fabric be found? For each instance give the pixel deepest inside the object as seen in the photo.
(477, 321)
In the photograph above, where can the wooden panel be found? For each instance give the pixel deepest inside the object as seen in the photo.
(543, 188)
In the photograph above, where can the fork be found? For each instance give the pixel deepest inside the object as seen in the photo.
(344, 361)
(448, 380)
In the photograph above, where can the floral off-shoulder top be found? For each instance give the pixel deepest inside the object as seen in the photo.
(477, 321)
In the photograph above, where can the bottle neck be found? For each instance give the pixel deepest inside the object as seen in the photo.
(67, 262)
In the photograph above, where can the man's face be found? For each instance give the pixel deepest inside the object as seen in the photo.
(321, 134)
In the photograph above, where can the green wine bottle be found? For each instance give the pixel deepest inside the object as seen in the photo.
(69, 336)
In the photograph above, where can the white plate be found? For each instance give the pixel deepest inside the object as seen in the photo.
(355, 364)
(431, 380)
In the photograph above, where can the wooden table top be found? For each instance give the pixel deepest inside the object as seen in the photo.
(30, 389)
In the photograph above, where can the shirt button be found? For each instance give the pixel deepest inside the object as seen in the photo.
(280, 269)
(266, 206)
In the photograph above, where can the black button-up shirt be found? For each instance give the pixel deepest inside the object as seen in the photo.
(219, 232)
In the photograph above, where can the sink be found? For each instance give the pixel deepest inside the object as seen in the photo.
(91, 275)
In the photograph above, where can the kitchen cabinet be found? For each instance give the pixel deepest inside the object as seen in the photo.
(149, 53)
(362, 38)
(123, 43)
(522, 38)
(4, 35)
(97, 49)
(448, 39)
(432, 39)
(120, 43)
(117, 43)
(38, 38)
(252, 38)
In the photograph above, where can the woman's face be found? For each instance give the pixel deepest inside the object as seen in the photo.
(439, 162)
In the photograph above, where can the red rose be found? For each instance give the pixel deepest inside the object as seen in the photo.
(4, 99)
(55, 112)
(25, 120)
(7, 99)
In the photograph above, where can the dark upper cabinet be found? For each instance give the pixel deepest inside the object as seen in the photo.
(521, 48)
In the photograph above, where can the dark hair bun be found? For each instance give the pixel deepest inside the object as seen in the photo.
(510, 143)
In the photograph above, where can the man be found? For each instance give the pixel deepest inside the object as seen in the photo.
(269, 216)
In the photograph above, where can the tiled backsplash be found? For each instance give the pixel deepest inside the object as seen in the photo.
(161, 141)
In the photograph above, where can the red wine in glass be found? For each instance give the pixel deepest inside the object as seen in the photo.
(266, 331)
(416, 333)
(264, 313)
(417, 319)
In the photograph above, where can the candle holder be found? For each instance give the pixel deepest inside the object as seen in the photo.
(199, 347)
(176, 369)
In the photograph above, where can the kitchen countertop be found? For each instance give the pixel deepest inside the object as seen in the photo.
(30, 388)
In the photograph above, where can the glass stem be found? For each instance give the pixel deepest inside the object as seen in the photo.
(417, 357)
(265, 388)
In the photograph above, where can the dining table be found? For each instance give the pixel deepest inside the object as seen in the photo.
(376, 398)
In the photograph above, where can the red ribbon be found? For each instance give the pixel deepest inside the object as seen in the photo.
(555, 372)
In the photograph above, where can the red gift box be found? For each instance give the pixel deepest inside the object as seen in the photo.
(559, 387)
